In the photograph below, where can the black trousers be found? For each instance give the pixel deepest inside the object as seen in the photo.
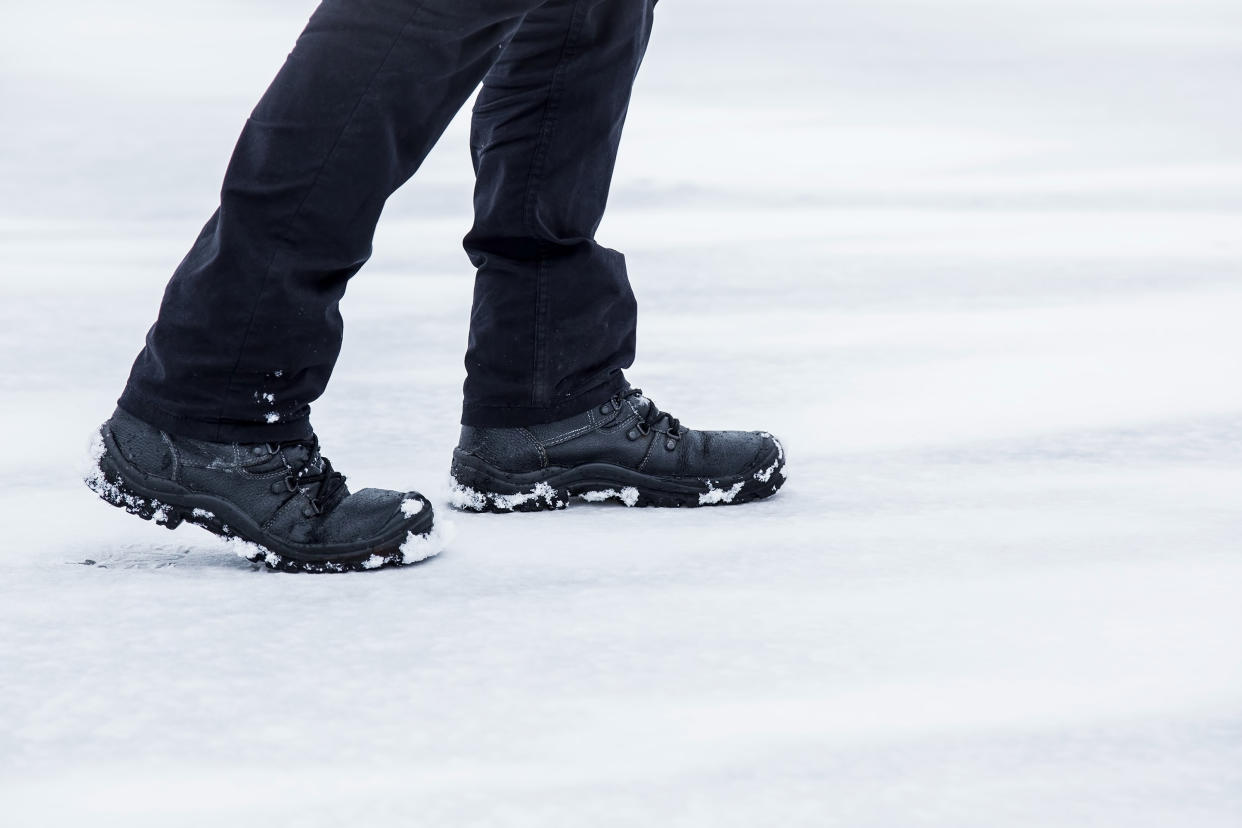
(249, 328)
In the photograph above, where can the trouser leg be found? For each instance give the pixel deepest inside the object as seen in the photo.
(554, 318)
(249, 328)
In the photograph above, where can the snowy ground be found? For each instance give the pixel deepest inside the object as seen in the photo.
(978, 263)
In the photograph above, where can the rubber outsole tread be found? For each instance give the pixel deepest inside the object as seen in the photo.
(474, 490)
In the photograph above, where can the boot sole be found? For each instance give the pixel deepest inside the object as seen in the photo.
(120, 484)
(478, 486)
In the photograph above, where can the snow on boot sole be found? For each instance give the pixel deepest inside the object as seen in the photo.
(168, 504)
(478, 486)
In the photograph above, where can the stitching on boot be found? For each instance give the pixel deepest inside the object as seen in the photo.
(618, 423)
(650, 445)
(483, 450)
(176, 457)
(543, 455)
(568, 435)
(479, 448)
(289, 504)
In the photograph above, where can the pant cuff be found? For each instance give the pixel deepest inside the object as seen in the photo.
(215, 430)
(502, 416)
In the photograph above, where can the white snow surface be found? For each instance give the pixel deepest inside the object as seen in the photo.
(977, 264)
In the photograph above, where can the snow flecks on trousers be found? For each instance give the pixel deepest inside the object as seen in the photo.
(203, 513)
(627, 495)
(271, 417)
(714, 495)
(778, 465)
(411, 506)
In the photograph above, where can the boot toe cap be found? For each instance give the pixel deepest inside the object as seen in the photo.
(728, 453)
(374, 513)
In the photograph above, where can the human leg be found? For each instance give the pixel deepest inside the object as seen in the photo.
(554, 317)
(213, 425)
(548, 414)
(249, 328)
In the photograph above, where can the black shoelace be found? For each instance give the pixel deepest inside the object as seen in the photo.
(652, 416)
(328, 481)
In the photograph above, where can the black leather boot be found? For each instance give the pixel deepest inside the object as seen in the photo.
(280, 503)
(626, 449)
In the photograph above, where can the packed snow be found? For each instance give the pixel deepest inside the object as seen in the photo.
(461, 496)
(416, 548)
(714, 495)
(626, 494)
(765, 474)
(976, 264)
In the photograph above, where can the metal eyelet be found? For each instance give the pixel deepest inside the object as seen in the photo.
(291, 484)
(633, 434)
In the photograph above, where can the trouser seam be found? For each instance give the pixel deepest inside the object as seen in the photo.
(547, 129)
(540, 357)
